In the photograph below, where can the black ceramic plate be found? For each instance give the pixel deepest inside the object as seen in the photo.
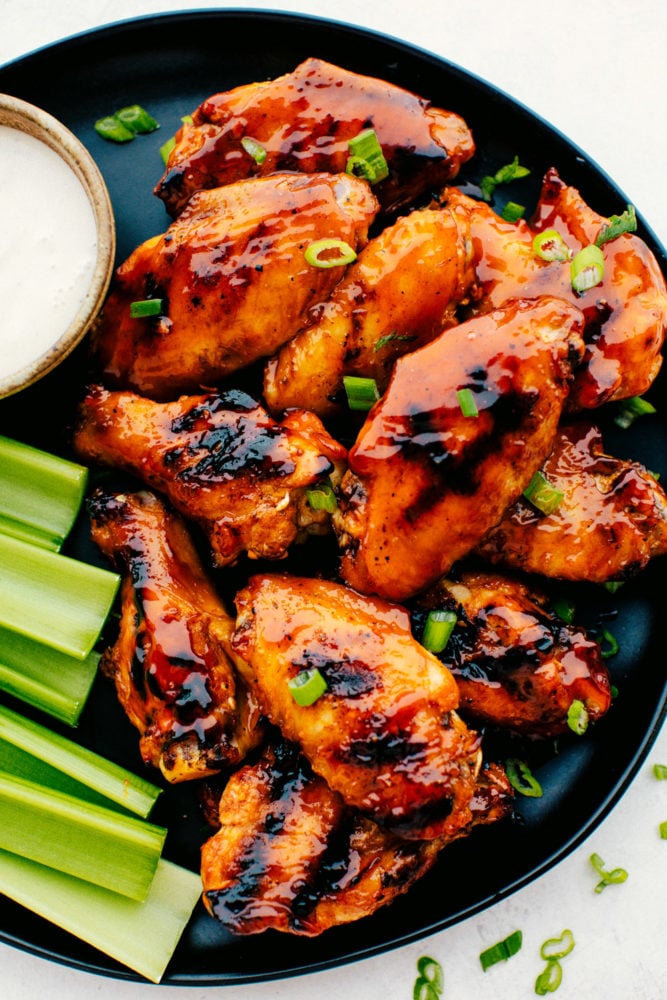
(169, 64)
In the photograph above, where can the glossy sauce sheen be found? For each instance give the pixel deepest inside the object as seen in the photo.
(48, 248)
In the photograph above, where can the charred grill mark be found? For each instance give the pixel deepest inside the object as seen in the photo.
(381, 746)
(345, 677)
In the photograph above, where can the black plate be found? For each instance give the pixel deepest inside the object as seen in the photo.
(169, 64)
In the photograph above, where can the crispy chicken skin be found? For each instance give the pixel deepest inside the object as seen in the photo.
(385, 734)
(611, 521)
(290, 856)
(517, 664)
(304, 121)
(400, 293)
(222, 461)
(233, 278)
(626, 314)
(425, 482)
(171, 661)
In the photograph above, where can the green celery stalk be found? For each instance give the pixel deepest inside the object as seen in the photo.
(53, 598)
(141, 936)
(34, 752)
(44, 677)
(95, 844)
(40, 493)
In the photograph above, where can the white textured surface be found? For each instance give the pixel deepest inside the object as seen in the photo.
(596, 71)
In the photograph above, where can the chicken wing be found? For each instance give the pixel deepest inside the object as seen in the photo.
(303, 121)
(626, 314)
(517, 665)
(384, 734)
(426, 482)
(611, 521)
(402, 290)
(221, 459)
(171, 661)
(231, 279)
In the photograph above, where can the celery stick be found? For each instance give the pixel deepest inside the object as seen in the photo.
(95, 844)
(35, 752)
(141, 936)
(40, 493)
(53, 598)
(44, 677)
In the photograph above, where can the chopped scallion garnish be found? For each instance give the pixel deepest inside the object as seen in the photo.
(577, 717)
(430, 982)
(322, 497)
(610, 647)
(361, 392)
(522, 779)
(146, 307)
(307, 686)
(438, 628)
(510, 172)
(512, 211)
(660, 771)
(550, 245)
(329, 253)
(663, 830)
(559, 947)
(467, 403)
(549, 979)
(111, 128)
(618, 224)
(587, 269)
(564, 608)
(366, 158)
(166, 148)
(137, 119)
(501, 951)
(542, 494)
(254, 149)
(614, 877)
(632, 408)
(551, 952)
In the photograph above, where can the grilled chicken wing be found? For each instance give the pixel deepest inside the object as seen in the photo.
(232, 279)
(303, 121)
(611, 521)
(221, 460)
(290, 856)
(385, 734)
(402, 291)
(171, 661)
(517, 665)
(425, 482)
(626, 314)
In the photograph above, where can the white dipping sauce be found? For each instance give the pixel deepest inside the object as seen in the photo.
(48, 248)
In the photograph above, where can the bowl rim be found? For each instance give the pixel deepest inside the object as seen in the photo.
(38, 123)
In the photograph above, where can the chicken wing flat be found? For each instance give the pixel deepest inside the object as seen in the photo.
(611, 521)
(290, 856)
(232, 280)
(426, 482)
(222, 461)
(517, 664)
(625, 314)
(303, 121)
(401, 291)
(384, 734)
(171, 661)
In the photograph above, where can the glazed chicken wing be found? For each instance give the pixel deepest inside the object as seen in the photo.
(401, 291)
(384, 734)
(303, 121)
(232, 280)
(611, 521)
(426, 482)
(517, 665)
(221, 459)
(626, 314)
(171, 661)
(289, 855)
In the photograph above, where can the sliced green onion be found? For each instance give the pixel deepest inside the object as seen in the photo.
(467, 402)
(542, 495)
(611, 646)
(36, 753)
(137, 119)
(512, 211)
(322, 497)
(663, 830)
(613, 586)
(614, 877)
(660, 771)
(631, 409)
(564, 608)
(140, 935)
(146, 307)
(577, 717)
(254, 149)
(431, 970)
(550, 245)
(587, 269)
(501, 951)
(510, 172)
(88, 841)
(45, 678)
(112, 128)
(361, 392)
(423, 990)
(307, 686)
(522, 779)
(166, 148)
(618, 224)
(366, 158)
(329, 253)
(40, 493)
(52, 598)
(558, 947)
(438, 628)
(549, 979)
